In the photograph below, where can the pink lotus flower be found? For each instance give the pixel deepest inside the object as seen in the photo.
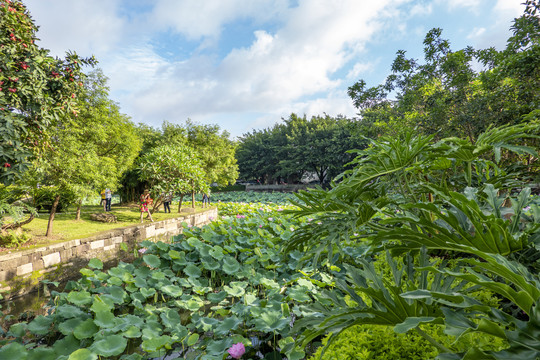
(237, 350)
(142, 251)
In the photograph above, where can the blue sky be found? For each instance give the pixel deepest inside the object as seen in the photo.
(245, 64)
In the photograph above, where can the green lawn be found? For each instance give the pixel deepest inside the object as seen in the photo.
(65, 226)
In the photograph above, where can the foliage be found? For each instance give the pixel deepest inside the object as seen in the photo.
(253, 197)
(43, 198)
(299, 146)
(35, 90)
(408, 195)
(446, 96)
(173, 168)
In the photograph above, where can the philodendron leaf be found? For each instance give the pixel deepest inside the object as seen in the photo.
(85, 329)
(111, 345)
(152, 260)
(79, 297)
(95, 264)
(412, 322)
(40, 325)
(83, 354)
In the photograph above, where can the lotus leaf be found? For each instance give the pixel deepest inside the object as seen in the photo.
(156, 343)
(217, 252)
(95, 264)
(142, 272)
(17, 330)
(13, 350)
(192, 339)
(170, 318)
(270, 321)
(218, 347)
(194, 242)
(104, 319)
(140, 282)
(83, 354)
(209, 263)
(236, 289)
(87, 272)
(79, 297)
(175, 254)
(42, 353)
(227, 325)
(40, 325)
(230, 265)
(217, 297)
(67, 327)
(112, 345)
(152, 260)
(85, 329)
(158, 275)
(172, 290)
(162, 246)
(66, 346)
(192, 271)
(299, 294)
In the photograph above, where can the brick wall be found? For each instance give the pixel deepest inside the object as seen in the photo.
(21, 271)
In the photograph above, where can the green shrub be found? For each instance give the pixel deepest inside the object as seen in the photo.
(13, 238)
(371, 342)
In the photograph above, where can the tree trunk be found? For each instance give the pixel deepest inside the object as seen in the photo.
(78, 214)
(14, 226)
(180, 202)
(51, 216)
(193, 199)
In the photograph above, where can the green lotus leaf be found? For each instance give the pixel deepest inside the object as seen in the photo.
(152, 260)
(140, 282)
(201, 290)
(269, 283)
(204, 250)
(175, 254)
(87, 272)
(299, 294)
(105, 319)
(227, 325)
(79, 297)
(172, 290)
(192, 339)
(270, 320)
(191, 304)
(40, 325)
(66, 346)
(162, 246)
(116, 294)
(274, 355)
(115, 281)
(142, 272)
(158, 275)
(17, 330)
(156, 343)
(133, 320)
(210, 263)
(111, 345)
(68, 311)
(67, 327)
(13, 350)
(208, 323)
(230, 265)
(101, 304)
(85, 329)
(194, 242)
(95, 264)
(217, 297)
(237, 288)
(147, 292)
(83, 354)
(218, 347)
(170, 318)
(117, 272)
(192, 271)
(132, 332)
(132, 357)
(41, 353)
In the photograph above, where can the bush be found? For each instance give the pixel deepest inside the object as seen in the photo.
(44, 198)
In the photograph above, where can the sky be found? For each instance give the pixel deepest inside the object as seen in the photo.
(246, 64)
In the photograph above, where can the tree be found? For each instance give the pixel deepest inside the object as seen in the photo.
(173, 168)
(35, 90)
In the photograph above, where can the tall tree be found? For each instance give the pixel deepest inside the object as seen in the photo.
(36, 90)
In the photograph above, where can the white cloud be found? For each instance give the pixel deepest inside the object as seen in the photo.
(476, 32)
(460, 4)
(514, 8)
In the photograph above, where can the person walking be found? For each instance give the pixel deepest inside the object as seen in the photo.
(205, 200)
(167, 198)
(143, 204)
(103, 200)
(108, 199)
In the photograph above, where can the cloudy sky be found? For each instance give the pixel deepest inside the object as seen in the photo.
(245, 64)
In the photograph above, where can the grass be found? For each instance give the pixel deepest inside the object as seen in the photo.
(65, 227)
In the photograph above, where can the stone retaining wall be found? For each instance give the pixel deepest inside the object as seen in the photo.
(20, 272)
